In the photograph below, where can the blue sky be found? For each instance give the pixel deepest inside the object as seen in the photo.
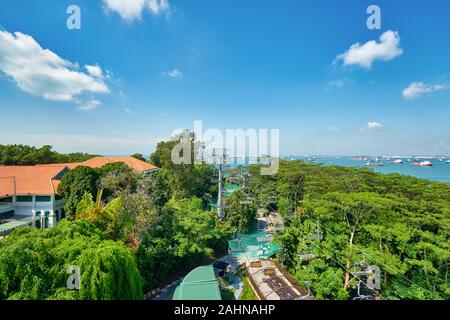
(231, 64)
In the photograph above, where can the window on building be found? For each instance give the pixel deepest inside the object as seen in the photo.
(24, 198)
(7, 215)
(58, 197)
(46, 220)
(43, 198)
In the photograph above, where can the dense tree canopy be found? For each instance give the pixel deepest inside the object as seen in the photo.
(239, 217)
(184, 235)
(34, 263)
(75, 184)
(143, 230)
(183, 180)
(11, 155)
(398, 223)
(138, 156)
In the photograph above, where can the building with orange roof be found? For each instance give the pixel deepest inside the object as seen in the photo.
(29, 193)
(98, 162)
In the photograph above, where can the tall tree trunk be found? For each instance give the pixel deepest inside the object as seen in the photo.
(348, 260)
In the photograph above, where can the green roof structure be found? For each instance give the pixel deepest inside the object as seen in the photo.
(199, 284)
(8, 227)
(255, 246)
(230, 189)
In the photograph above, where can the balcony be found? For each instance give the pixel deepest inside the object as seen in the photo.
(6, 206)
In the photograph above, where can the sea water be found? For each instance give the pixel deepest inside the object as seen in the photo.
(440, 171)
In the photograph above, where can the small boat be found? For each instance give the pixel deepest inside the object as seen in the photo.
(448, 161)
(360, 158)
(374, 164)
(426, 164)
(398, 161)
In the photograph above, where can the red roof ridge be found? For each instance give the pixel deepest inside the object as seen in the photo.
(30, 180)
(98, 162)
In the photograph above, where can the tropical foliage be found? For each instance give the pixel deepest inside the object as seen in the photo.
(11, 155)
(132, 233)
(398, 223)
(34, 264)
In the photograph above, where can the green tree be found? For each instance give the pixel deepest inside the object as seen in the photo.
(138, 156)
(398, 223)
(75, 184)
(239, 217)
(33, 264)
(26, 155)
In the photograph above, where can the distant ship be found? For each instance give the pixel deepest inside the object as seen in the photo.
(361, 158)
(448, 161)
(417, 163)
(398, 161)
(376, 163)
(426, 164)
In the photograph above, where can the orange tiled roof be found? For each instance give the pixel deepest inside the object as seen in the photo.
(30, 180)
(138, 165)
(133, 163)
(70, 165)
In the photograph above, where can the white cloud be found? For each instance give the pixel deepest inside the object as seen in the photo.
(416, 89)
(374, 125)
(95, 71)
(340, 83)
(175, 74)
(127, 110)
(337, 83)
(130, 10)
(92, 143)
(364, 55)
(88, 105)
(335, 129)
(43, 73)
(158, 6)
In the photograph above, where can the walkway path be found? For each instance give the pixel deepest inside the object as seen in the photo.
(271, 282)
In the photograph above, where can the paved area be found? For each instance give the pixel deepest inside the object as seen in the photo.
(271, 282)
(167, 292)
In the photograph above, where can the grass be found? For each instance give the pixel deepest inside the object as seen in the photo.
(247, 292)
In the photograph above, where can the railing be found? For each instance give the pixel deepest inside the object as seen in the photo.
(6, 206)
(60, 202)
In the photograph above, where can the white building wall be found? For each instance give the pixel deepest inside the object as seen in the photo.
(31, 209)
(6, 207)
